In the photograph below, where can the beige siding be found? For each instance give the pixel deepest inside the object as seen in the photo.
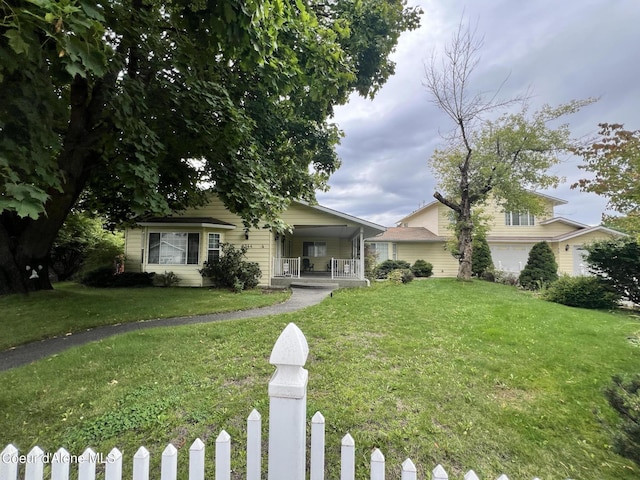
(444, 265)
(133, 250)
(567, 257)
(497, 225)
(261, 244)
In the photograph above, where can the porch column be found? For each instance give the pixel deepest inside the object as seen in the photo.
(361, 239)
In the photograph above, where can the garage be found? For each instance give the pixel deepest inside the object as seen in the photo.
(510, 258)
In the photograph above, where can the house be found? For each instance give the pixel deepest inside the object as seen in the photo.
(424, 233)
(323, 245)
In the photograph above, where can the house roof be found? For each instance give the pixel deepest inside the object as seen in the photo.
(554, 200)
(209, 222)
(407, 234)
(369, 228)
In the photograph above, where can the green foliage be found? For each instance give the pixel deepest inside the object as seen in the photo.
(614, 159)
(111, 102)
(105, 277)
(230, 270)
(541, 268)
(624, 396)
(502, 277)
(166, 279)
(481, 260)
(617, 262)
(582, 292)
(383, 269)
(422, 268)
(400, 276)
(83, 244)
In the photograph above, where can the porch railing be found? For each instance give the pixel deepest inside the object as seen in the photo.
(345, 268)
(286, 267)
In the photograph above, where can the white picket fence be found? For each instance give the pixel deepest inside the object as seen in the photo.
(287, 454)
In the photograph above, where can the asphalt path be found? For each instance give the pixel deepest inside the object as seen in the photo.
(30, 352)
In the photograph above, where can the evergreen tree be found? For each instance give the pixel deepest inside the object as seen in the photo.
(481, 258)
(541, 268)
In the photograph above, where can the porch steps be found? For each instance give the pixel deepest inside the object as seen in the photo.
(331, 286)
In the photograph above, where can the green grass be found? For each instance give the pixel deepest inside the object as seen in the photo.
(70, 307)
(469, 375)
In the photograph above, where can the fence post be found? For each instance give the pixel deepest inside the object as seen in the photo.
(288, 406)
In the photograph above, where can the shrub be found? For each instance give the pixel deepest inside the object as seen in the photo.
(481, 260)
(105, 277)
(505, 278)
(400, 276)
(422, 269)
(386, 267)
(166, 279)
(624, 397)
(541, 268)
(583, 292)
(617, 262)
(230, 270)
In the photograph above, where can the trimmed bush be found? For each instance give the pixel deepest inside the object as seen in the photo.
(481, 260)
(583, 292)
(617, 262)
(422, 269)
(624, 396)
(400, 276)
(541, 268)
(386, 267)
(502, 277)
(230, 270)
(105, 277)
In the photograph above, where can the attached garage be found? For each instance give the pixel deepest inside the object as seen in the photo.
(510, 258)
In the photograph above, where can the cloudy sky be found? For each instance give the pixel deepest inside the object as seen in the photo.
(558, 49)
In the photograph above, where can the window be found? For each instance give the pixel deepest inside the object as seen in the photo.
(381, 250)
(519, 219)
(213, 247)
(314, 249)
(174, 248)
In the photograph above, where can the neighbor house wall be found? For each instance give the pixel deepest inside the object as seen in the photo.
(444, 264)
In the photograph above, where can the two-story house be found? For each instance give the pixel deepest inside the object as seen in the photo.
(424, 234)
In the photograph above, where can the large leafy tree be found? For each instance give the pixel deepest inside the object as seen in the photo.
(129, 107)
(487, 154)
(614, 160)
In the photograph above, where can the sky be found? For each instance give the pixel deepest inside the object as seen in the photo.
(557, 50)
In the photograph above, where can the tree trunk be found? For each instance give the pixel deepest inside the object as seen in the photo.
(465, 248)
(25, 243)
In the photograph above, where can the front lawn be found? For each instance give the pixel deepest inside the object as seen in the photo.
(71, 307)
(469, 375)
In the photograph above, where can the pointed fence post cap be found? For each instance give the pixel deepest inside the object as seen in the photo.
(291, 348)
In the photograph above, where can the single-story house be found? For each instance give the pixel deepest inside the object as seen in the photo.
(424, 233)
(323, 245)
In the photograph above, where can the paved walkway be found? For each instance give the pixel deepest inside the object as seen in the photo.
(30, 352)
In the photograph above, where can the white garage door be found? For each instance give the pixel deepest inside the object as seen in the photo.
(510, 258)
(579, 264)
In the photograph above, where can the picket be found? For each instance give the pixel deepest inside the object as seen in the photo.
(254, 445)
(317, 447)
(141, 464)
(286, 445)
(196, 460)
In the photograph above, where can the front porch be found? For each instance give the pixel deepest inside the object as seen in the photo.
(338, 272)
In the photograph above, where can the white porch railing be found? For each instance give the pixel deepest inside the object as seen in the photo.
(345, 268)
(286, 267)
(287, 442)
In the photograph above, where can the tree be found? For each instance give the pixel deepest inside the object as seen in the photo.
(617, 262)
(541, 268)
(504, 157)
(481, 258)
(82, 241)
(131, 107)
(614, 159)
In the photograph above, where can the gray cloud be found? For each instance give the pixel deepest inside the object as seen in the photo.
(559, 51)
